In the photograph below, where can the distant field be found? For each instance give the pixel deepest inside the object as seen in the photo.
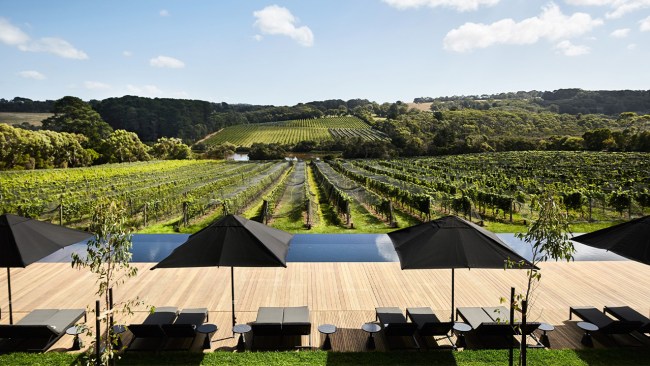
(16, 118)
(426, 107)
(291, 132)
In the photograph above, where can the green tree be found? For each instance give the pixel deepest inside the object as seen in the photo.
(108, 257)
(260, 151)
(171, 149)
(548, 237)
(597, 140)
(72, 114)
(123, 146)
(221, 151)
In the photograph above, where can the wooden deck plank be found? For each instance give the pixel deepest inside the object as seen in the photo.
(344, 294)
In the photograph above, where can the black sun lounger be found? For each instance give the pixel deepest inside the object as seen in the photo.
(295, 322)
(182, 333)
(149, 335)
(281, 322)
(394, 323)
(38, 330)
(486, 320)
(629, 314)
(605, 324)
(429, 325)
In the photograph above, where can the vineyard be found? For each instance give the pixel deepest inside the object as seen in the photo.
(340, 195)
(292, 132)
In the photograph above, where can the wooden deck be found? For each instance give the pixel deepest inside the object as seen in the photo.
(344, 294)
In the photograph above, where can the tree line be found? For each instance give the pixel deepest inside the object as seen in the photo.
(570, 101)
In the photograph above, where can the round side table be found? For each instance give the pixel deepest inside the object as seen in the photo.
(327, 329)
(545, 327)
(461, 329)
(241, 329)
(75, 330)
(588, 328)
(207, 329)
(371, 329)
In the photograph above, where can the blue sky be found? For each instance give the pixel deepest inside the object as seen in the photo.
(286, 52)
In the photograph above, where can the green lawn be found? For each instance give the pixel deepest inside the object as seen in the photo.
(602, 357)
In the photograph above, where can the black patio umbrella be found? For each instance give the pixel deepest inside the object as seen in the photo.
(24, 241)
(630, 239)
(231, 241)
(451, 242)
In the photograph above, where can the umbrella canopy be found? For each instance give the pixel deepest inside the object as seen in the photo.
(451, 242)
(24, 241)
(630, 239)
(231, 241)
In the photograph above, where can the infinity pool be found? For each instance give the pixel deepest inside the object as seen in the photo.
(318, 248)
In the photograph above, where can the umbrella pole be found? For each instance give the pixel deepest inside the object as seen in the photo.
(11, 313)
(232, 286)
(452, 294)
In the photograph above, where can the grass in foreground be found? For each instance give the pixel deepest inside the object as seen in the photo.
(566, 357)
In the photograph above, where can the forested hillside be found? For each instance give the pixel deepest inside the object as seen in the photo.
(570, 101)
(142, 128)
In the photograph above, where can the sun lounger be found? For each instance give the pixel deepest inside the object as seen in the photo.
(605, 324)
(281, 322)
(296, 322)
(429, 325)
(486, 321)
(149, 335)
(38, 330)
(184, 328)
(629, 314)
(394, 323)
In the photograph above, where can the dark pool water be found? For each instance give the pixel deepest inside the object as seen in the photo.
(318, 248)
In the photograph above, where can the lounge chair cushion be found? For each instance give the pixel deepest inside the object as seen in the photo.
(296, 321)
(151, 327)
(186, 323)
(390, 315)
(474, 316)
(427, 322)
(484, 319)
(629, 314)
(162, 315)
(269, 321)
(394, 322)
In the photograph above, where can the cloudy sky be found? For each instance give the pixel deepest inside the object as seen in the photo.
(286, 52)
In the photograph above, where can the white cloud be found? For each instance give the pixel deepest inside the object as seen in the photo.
(460, 5)
(619, 7)
(144, 90)
(276, 20)
(13, 36)
(166, 61)
(645, 25)
(164, 13)
(57, 46)
(32, 74)
(569, 49)
(551, 25)
(620, 33)
(127, 53)
(631, 46)
(96, 85)
(258, 37)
